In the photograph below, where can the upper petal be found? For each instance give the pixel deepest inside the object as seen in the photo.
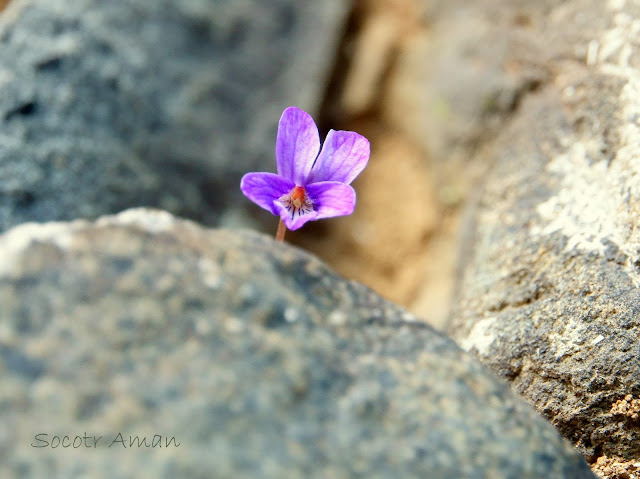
(331, 198)
(344, 155)
(297, 145)
(264, 188)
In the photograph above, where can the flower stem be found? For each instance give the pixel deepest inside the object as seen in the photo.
(282, 229)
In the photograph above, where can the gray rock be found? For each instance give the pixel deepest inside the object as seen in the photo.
(108, 105)
(253, 355)
(463, 76)
(548, 295)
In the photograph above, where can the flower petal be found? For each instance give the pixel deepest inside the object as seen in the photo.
(264, 188)
(344, 155)
(297, 145)
(293, 220)
(331, 198)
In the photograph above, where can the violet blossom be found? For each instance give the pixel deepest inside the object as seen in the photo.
(311, 183)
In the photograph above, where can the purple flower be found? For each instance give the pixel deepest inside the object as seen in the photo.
(311, 183)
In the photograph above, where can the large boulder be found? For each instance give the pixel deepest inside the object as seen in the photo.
(108, 105)
(548, 295)
(243, 357)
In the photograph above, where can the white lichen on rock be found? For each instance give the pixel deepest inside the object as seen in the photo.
(570, 339)
(60, 234)
(598, 199)
(152, 220)
(481, 336)
(18, 239)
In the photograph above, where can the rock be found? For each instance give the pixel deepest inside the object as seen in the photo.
(548, 296)
(256, 358)
(108, 105)
(462, 68)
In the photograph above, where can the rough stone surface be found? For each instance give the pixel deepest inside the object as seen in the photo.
(108, 105)
(259, 360)
(548, 295)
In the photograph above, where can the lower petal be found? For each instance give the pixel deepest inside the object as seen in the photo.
(264, 188)
(294, 220)
(331, 198)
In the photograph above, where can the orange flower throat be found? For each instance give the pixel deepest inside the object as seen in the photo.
(298, 196)
(297, 202)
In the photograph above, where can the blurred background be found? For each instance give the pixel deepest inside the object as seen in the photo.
(401, 240)
(429, 83)
(168, 104)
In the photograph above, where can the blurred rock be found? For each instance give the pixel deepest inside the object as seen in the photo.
(549, 295)
(382, 243)
(429, 83)
(459, 74)
(255, 357)
(107, 105)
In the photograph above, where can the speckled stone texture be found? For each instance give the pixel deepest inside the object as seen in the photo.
(548, 295)
(106, 105)
(258, 359)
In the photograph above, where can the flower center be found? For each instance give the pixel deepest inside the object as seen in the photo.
(297, 202)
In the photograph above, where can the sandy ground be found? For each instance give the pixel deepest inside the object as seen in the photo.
(402, 239)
